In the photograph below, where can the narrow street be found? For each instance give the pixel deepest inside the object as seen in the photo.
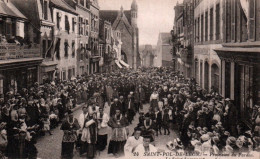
(49, 146)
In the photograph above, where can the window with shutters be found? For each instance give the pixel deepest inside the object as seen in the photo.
(202, 27)
(233, 20)
(57, 49)
(206, 26)
(243, 24)
(228, 21)
(211, 24)
(73, 24)
(199, 29)
(87, 27)
(252, 20)
(83, 27)
(195, 30)
(73, 48)
(58, 20)
(80, 26)
(217, 22)
(67, 24)
(73, 72)
(64, 75)
(66, 49)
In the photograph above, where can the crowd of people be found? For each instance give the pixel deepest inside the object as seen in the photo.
(29, 113)
(205, 121)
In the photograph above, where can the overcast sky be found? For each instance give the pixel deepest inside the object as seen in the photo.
(154, 16)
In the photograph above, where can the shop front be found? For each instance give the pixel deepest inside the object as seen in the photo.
(17, 74)
(240, 78)
(94, 64)
(48, 71)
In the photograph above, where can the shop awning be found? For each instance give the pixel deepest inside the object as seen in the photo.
(17, 63)
(124, 64)
(238, 54)
(242, 50)
(8, 9)
(48, 66)
(118, 64)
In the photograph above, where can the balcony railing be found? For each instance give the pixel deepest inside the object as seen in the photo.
(14, 51)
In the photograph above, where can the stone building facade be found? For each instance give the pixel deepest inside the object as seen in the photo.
(20, 56)
(65, 33)
(184, 22)
(44, 23)
(147, 56)
(163, 56)
(208, 35)
(82, 8)
(240, 56)
(125, 21)
(94, 37)
(226, 51)
(105, 44)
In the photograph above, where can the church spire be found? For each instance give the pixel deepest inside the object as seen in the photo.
(134, 5)
(121, 11)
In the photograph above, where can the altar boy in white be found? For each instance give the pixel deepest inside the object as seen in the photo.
(145, 150)
(133, 141)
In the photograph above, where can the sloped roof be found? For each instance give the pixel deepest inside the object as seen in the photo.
(95, 3)
(10, 10)
(63, 5)
(165, 38)
(128, 15)
(111, 15)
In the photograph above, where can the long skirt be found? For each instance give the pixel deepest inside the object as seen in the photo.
(116, 147)
(67, 150)
(130, 115)
(91, 150)
(154, 103)
(101, 142)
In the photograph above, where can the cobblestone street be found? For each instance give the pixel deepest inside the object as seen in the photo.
(49, 146)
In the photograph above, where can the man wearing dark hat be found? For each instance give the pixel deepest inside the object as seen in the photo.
(114, 106)
(139, 96)
(130, 109)
(230, 117)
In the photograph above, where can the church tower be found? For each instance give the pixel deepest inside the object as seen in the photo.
(135, 37)
(134, 12)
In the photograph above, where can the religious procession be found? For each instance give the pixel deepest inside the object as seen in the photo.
(155, 102)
